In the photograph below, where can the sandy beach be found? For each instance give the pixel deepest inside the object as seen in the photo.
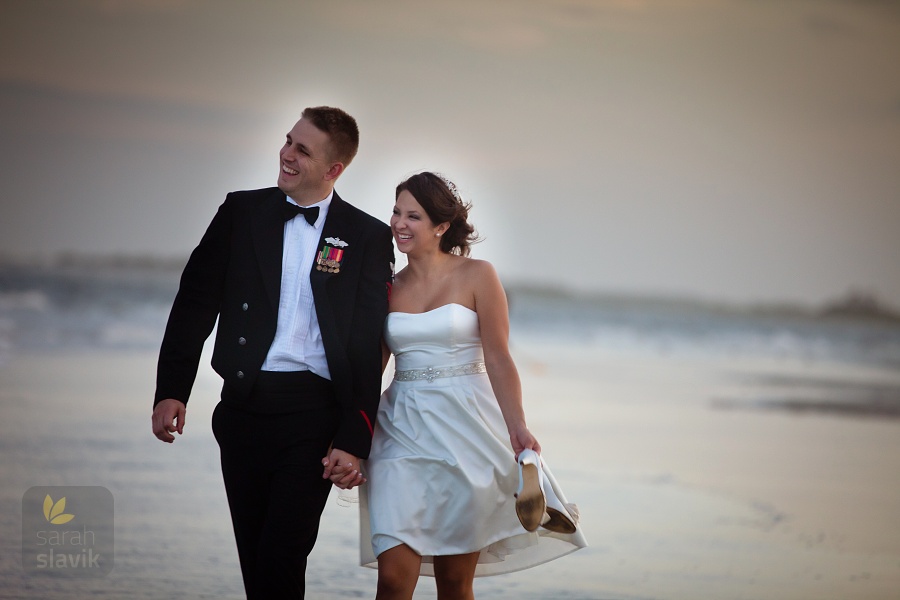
(693, 500)
(687, 485)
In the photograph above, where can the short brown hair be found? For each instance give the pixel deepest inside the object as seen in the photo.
(340, 127)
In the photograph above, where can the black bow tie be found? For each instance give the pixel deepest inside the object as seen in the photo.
(311, 213)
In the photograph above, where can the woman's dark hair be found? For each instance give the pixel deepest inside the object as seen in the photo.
(440, 199)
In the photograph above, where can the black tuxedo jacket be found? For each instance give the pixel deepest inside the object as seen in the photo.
(234, 275)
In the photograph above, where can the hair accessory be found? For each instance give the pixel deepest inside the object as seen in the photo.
(451, 186)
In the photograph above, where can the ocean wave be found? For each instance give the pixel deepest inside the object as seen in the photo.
(124, 305)
(78, 305)
(663, 327)
(30, 300)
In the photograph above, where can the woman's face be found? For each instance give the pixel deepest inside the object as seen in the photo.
(411, 226)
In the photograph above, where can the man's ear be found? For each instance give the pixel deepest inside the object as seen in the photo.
(334, 171)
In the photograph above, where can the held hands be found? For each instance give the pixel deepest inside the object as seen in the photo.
(168, 417)
(342, 468)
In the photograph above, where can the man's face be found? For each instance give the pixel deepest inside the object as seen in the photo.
(305, 163)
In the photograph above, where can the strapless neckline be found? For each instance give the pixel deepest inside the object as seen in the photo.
(433, 310)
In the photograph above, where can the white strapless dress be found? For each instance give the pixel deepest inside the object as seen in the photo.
(442, 474)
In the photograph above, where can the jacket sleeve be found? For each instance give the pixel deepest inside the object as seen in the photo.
(358, 419)
(195, 310)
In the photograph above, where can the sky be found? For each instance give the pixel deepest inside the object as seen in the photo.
(742, 151)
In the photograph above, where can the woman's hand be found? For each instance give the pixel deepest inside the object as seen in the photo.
(342, 468)
(521, 438)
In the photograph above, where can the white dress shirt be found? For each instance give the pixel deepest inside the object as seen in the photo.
(298, 340)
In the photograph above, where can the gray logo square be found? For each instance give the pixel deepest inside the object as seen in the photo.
(68, 530)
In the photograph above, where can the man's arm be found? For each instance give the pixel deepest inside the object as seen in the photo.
(191, 320)
(364, 348)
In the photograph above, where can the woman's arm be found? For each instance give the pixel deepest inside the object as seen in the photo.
(493, 317)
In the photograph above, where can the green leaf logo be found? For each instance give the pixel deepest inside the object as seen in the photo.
(53, 512)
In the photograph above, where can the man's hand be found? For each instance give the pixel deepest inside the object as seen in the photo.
(168, 417)
(343, 469)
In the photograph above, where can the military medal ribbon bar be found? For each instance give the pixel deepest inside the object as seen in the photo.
(329, 259)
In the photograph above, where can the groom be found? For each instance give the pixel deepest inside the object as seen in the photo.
(297, 279)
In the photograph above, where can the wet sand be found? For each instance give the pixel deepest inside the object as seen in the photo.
(689, 487)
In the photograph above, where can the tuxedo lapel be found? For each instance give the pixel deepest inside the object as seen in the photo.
(337, 226)
(268, 239)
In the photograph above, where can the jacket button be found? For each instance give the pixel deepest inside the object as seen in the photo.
(242, 340)
(240, 374)
(245, 306)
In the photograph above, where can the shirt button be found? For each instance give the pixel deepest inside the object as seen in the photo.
(245, 306)
(240, 374)
(242, 340)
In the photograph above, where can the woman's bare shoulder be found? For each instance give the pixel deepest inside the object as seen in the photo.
(476, 267)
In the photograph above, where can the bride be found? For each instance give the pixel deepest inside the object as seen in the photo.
(443, 478)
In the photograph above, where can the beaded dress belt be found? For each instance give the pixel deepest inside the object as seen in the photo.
(432, 373)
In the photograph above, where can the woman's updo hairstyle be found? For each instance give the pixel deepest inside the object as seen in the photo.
(440, 199)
